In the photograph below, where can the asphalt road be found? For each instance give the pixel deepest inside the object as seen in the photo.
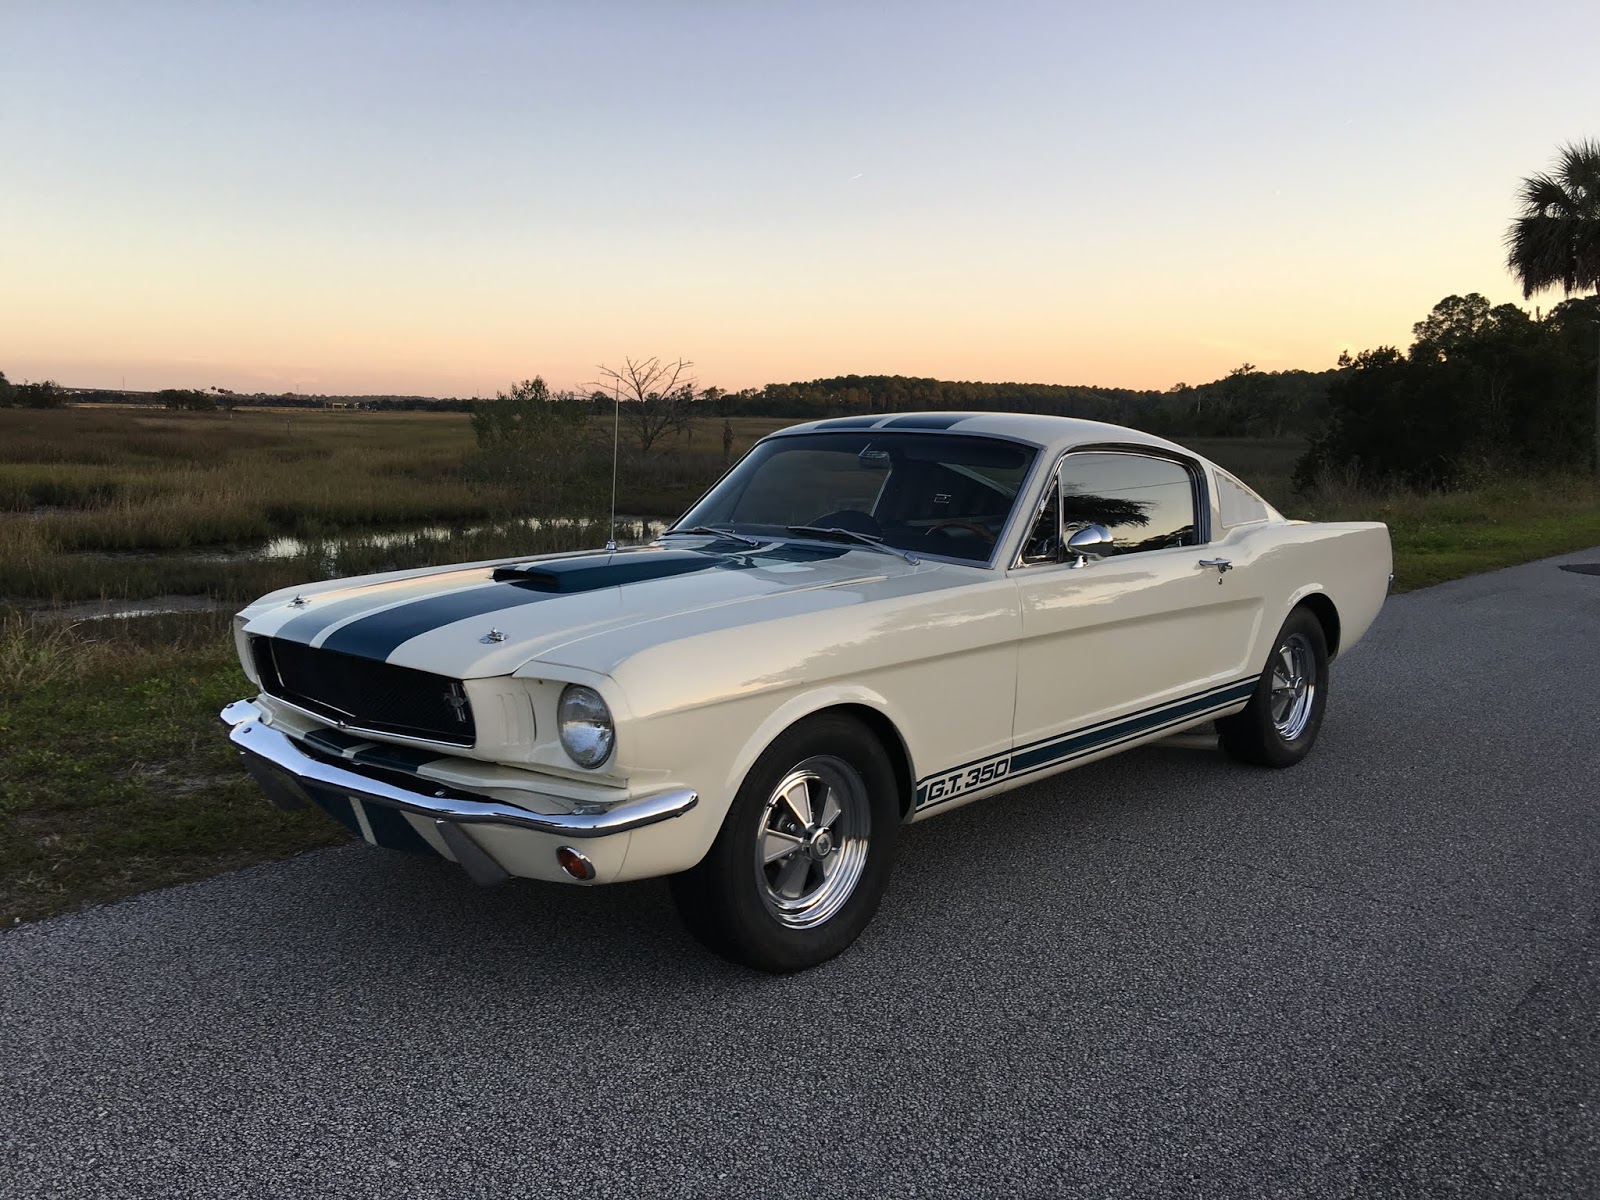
(1376, 974)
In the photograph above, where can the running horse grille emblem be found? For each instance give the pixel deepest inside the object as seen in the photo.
(457, 701)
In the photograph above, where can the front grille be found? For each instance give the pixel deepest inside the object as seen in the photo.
(365, 694)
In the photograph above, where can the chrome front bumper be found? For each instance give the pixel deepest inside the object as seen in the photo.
(289, 776)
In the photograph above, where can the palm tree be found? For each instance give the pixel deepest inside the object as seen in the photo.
(1556, 237)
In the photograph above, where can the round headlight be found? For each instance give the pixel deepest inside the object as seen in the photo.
(587, 734)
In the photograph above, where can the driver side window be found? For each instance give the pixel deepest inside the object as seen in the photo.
(1145, 503)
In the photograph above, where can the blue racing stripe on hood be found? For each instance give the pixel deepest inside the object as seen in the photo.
(379, 635)
(321, 614)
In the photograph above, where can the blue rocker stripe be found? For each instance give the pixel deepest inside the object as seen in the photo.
(1045, 752)
(1074, 744)
(1165, 704)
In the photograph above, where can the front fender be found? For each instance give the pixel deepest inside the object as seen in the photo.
(720, 773)
(809, 703)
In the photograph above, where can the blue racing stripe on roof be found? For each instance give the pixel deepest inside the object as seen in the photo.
(926, 421)
(850, 422)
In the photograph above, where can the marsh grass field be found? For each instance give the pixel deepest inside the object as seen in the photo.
(117, 503)
(115, 777)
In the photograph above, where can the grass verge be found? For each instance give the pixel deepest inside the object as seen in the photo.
(1439, 536)
(114, 774)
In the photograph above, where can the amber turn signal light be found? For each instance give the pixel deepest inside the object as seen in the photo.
(575, 864)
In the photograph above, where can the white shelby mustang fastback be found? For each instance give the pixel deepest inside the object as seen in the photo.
(866, 622)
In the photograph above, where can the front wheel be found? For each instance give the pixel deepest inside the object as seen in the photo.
(804, 854)
(1279, 725)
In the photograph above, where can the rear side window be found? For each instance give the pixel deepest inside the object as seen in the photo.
(1238, 504)
(1146, 503)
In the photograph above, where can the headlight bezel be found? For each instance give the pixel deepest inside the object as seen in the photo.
(583, 709)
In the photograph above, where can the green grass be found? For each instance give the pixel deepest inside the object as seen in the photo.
(114, 774)
(1439, 536)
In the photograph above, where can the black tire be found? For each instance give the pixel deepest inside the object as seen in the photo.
(734, 904)
(1259, 735)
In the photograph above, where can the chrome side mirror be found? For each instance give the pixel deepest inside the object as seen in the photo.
(1091, 541)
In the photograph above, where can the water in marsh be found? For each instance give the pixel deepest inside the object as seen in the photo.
(238, 574)
(629, 531)
(112, 610)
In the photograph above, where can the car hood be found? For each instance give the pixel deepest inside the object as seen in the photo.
(492, 618)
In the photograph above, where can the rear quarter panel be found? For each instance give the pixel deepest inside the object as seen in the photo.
(1349, 562)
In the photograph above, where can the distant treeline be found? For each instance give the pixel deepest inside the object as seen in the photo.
(1482, 390)
(1247, 402)
(1482, 387)
(211, 399)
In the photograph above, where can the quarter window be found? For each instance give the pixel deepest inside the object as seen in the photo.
(1239, 505)
(1044, 539)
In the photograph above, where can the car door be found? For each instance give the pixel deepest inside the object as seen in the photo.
(1117, 647)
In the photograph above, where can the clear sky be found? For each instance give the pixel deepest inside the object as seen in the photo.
(442, 198)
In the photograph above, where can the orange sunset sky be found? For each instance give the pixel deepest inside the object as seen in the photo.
(440, 199)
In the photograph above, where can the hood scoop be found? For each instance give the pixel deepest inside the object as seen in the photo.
(593, 572)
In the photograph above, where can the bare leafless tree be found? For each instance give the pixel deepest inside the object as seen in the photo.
(656, 397)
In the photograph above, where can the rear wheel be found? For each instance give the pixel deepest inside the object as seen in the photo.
(1280, 724)
(803, 857)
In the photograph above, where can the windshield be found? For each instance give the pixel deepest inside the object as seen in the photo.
(944, 494)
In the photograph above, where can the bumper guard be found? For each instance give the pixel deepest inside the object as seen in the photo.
(287, 774)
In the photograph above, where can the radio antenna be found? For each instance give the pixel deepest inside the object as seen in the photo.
(616, 431)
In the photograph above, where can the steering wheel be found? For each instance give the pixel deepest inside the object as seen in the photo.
(851, 519)
(969, 526)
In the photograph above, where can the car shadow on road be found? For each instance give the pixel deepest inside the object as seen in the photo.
(397, 912)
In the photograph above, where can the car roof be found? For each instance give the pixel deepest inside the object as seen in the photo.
(1052, 433)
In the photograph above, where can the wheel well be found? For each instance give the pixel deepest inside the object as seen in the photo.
(889, 738)
(1322, 608)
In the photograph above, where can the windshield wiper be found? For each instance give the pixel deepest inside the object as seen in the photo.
(706, 529)
(865, 539)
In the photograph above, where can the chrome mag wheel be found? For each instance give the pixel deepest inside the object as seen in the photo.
(811, 842)
(1294, 685)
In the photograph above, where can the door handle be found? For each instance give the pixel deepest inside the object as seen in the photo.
(1223, 565)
